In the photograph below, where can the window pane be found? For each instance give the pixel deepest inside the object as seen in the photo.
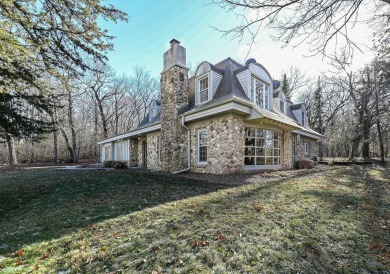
(259, 142)
(250, 141)
(260, 161)
(250, 132)
(260, 152)
(265, 96)
(269, 161)
(269, 151)
(249, 151)
(276, 161)
(250, 161)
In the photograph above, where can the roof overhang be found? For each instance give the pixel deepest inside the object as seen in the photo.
(316, 136)
(232, 105)
(134, 133)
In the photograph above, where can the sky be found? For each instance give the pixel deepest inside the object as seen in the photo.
(143, 40)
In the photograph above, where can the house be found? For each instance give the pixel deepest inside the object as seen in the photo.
(227, 118)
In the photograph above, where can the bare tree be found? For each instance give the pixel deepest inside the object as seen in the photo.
(316, 21)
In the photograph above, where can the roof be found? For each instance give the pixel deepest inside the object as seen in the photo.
(230, 88)
(296, 106)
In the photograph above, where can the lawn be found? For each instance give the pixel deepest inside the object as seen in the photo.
(63, 221)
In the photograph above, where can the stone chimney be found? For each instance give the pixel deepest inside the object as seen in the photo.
(174, 96)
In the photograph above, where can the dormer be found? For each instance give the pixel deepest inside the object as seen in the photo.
(154, 109)
(280, 101)
(299, 111)
(207, 80)
(257, 84)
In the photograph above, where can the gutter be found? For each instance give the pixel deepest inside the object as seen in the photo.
(188, 148)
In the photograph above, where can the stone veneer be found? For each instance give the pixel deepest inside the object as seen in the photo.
(287, 145)
(152, 153)
(313, 148)
(174, 96)
(133, 152)
(225, 144)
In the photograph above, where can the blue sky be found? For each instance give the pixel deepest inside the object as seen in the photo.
(152, 24)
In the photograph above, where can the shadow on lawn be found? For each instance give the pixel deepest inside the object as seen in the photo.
(41, 205)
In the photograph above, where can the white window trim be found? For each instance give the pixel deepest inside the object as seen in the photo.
(253, 78)
(197, 146)
(307, 151)
(206, 75)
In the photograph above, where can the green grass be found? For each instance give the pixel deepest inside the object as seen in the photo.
(124, 222)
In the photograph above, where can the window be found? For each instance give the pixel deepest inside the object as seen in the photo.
(203, 89)
(306, 148)
(303, 118)
(260, 93)
(202, 146)
(281, 105)
(262, 147)
(159, 148)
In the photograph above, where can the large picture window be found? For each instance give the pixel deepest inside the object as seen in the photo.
(203, 89)
(262, 147)
(260, 93)
(202, 146)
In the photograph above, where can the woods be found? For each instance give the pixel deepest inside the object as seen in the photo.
(59, 96)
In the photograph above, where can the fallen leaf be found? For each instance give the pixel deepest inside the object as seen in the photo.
(157, 247)
(19, 262)
(116, 235)
(19, 252)
(204, 243)
(258, 208)
(220, 237)
(44, 256)
(195, 244)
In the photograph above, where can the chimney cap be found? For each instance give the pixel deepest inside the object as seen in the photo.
(174, 42)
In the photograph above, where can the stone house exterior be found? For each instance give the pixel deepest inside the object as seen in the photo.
(227, 118)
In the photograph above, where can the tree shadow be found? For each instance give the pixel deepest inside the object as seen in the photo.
(39, 205)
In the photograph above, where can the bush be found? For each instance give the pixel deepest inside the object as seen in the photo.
(115, 164)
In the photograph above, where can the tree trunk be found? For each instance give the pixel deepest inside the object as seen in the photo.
(12, 160)
(67, 143)
(72, 126)
(55, 137)
(378, 127)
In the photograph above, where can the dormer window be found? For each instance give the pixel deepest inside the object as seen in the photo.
(260, 93)
(204, 89)
(282, 106)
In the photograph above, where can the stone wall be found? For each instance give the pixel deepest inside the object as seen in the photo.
(133, 152)
(174, 96)
(287, 145)
(225, 144)
(313, 148)
(152, 151)
(140, 156)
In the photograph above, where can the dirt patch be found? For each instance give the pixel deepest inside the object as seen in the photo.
(253, 177)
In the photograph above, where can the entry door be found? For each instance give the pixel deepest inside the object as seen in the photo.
(144, 153)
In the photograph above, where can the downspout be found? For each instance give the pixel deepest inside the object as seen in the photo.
(188, 148)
